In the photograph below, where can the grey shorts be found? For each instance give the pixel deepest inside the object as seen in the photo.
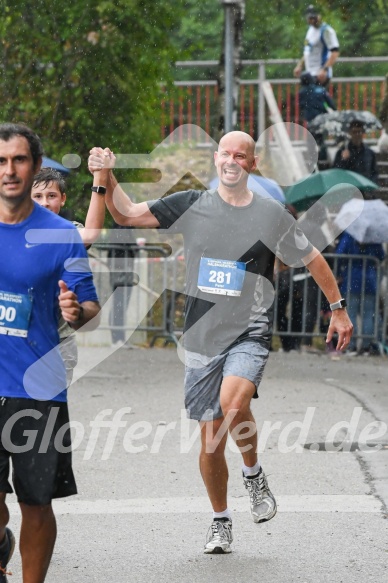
(204, 375)
(69, 352)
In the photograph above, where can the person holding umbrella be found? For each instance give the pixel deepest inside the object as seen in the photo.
(362, 251)
(355, 155)
(359, 284)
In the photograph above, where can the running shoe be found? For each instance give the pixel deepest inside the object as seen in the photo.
(219, 537)
(6, 554)
(263, 503)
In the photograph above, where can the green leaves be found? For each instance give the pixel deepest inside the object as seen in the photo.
(85, 73)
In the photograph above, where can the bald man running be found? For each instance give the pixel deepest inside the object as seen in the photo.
(231, 236)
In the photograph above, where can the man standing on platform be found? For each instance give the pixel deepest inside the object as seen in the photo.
(321, 49)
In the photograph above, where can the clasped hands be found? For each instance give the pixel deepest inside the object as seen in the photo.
(100, 158)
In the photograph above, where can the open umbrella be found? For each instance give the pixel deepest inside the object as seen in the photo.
(371, 226)
(49, 163)
(261, 185)
(342, 185)
(337, 123)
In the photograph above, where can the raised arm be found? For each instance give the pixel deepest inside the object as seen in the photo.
(299, 67)
(340, 321)
(123, 210)
(95, 217)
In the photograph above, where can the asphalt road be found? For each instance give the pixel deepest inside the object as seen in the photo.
(142, 514)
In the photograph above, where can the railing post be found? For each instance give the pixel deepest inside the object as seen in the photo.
(261, 101)
(229, 68)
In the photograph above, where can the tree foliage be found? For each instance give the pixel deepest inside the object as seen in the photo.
(90, 72)
(84, 73)
(276, 29)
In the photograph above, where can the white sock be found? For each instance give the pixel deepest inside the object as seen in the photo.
(251, 471)
(225, 514)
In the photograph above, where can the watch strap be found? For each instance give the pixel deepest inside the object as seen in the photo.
(99, 189)
(338, 305)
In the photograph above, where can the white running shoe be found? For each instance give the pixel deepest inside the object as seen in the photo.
(263, 503)
(219, 536)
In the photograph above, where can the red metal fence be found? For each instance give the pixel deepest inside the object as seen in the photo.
(197, 103)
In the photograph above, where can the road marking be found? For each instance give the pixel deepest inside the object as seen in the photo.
(187, 505)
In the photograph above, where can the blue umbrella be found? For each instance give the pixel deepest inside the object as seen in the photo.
(264, 186)
(49, 163)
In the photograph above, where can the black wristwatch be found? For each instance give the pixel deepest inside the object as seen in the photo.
(99, 189)
(338, 305)
(80, 315)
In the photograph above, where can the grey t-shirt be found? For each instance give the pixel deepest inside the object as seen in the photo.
(221, 239)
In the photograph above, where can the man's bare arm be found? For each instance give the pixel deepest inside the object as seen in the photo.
(90, 317)
(322, 74)
(299, 67)
(123, 210)
(333, 57)
(94, 221)
(76, 314)
(340, 321)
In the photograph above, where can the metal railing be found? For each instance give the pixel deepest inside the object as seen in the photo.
(141, 283)
(195, 101)
(153, 298)
(301, 312)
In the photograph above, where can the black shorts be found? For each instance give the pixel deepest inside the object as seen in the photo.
(36, 436)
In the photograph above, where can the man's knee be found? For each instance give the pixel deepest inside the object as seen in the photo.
(213, 437)
(236, 408)
(37, 516)
(235, 398)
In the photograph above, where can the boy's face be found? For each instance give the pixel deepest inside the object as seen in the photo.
(356, 135)
(49, 196)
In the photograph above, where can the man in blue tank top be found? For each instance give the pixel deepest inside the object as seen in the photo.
(321, 48)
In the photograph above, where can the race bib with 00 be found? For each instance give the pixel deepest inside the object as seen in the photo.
(15, 313)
